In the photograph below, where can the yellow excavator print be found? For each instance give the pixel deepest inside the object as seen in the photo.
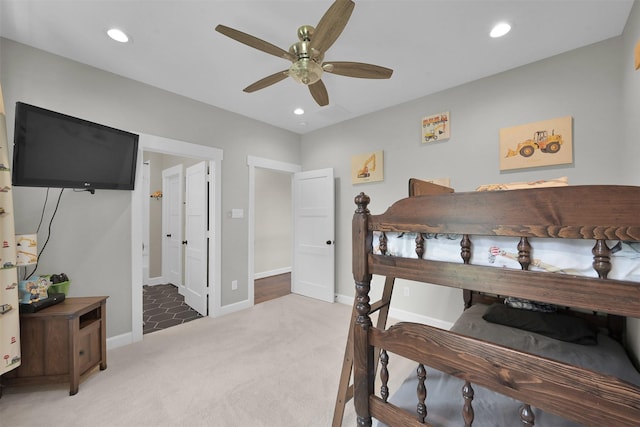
(545, 143)
(433, 134)
(368, 167)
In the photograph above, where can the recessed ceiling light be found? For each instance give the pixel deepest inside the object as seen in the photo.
(118, 35)
(298, 111)
(500, 30)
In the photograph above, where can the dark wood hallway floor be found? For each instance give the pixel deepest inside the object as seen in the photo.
(271, 287)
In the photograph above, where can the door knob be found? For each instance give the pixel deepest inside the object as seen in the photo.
(184, 242)
(168, 235)
(329, 242)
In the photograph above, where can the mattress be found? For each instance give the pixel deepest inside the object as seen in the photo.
(570, 256)
(444, 398)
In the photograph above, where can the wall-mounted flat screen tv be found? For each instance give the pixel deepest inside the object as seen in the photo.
(51, 149)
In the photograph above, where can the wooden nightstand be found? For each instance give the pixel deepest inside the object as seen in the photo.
(61, 343)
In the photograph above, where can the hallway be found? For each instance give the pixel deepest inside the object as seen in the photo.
(163, 307)
(271, 287)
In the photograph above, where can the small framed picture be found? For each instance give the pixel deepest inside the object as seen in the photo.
(436, 128)
(367, 167)
(544, 143)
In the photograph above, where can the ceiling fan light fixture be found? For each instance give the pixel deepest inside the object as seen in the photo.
(305, 71)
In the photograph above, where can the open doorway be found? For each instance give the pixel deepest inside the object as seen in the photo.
(213, 158)
(273, 233)
(313, 218)
(277, 172)
(165, 303)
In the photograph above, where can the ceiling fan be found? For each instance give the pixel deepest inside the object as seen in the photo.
(307, 54)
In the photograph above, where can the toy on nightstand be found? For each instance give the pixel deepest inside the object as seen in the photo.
(33, 290)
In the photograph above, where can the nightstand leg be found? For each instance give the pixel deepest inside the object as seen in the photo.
(103, 336)
(74, 374)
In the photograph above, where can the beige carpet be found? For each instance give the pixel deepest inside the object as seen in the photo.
(276, 364)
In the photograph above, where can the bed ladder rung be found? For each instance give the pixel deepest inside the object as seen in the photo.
(378, 305)
(349, 393)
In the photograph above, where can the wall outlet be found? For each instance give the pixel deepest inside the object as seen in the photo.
(406, 291)
(234, 285)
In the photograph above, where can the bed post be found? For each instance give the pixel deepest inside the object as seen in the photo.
(363, 354)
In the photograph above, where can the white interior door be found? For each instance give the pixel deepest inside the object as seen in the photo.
(196, 214)
(172, 206)
(313, 235)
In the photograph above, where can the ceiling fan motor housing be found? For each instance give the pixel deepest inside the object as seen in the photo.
(308, 68)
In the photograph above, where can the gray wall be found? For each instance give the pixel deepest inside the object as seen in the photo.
(585, 83)
(630, 151)
(91, 235)
(631, 96)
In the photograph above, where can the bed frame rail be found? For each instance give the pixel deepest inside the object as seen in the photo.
(575, 212)
(598, 213)
(574, 393)
(603, 295)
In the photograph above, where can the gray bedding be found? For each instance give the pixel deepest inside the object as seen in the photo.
(444, 398)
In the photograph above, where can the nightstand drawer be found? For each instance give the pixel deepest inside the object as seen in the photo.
(89, 349)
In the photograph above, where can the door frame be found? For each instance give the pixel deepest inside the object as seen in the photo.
(146, 181)
(139, 196)
(253, 163)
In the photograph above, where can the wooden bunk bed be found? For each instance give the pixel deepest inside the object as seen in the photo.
(547, 390)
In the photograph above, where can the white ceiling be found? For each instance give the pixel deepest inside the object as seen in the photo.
(430, 44)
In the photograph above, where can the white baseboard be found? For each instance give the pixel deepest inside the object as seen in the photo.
(407, 316)
(232, 308)
(270, 273)
(343, 299)
(119, 341)
(404, 316)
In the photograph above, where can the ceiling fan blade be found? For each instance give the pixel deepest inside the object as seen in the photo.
(319, 93)
(255, 42)
(332, 24)
(357, 69)
(267, 81)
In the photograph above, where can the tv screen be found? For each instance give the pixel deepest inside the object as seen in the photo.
(51, 149)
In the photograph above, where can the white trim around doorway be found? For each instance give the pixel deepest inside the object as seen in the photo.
(184, 149)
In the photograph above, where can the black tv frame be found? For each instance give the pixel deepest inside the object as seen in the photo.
(30, 153)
